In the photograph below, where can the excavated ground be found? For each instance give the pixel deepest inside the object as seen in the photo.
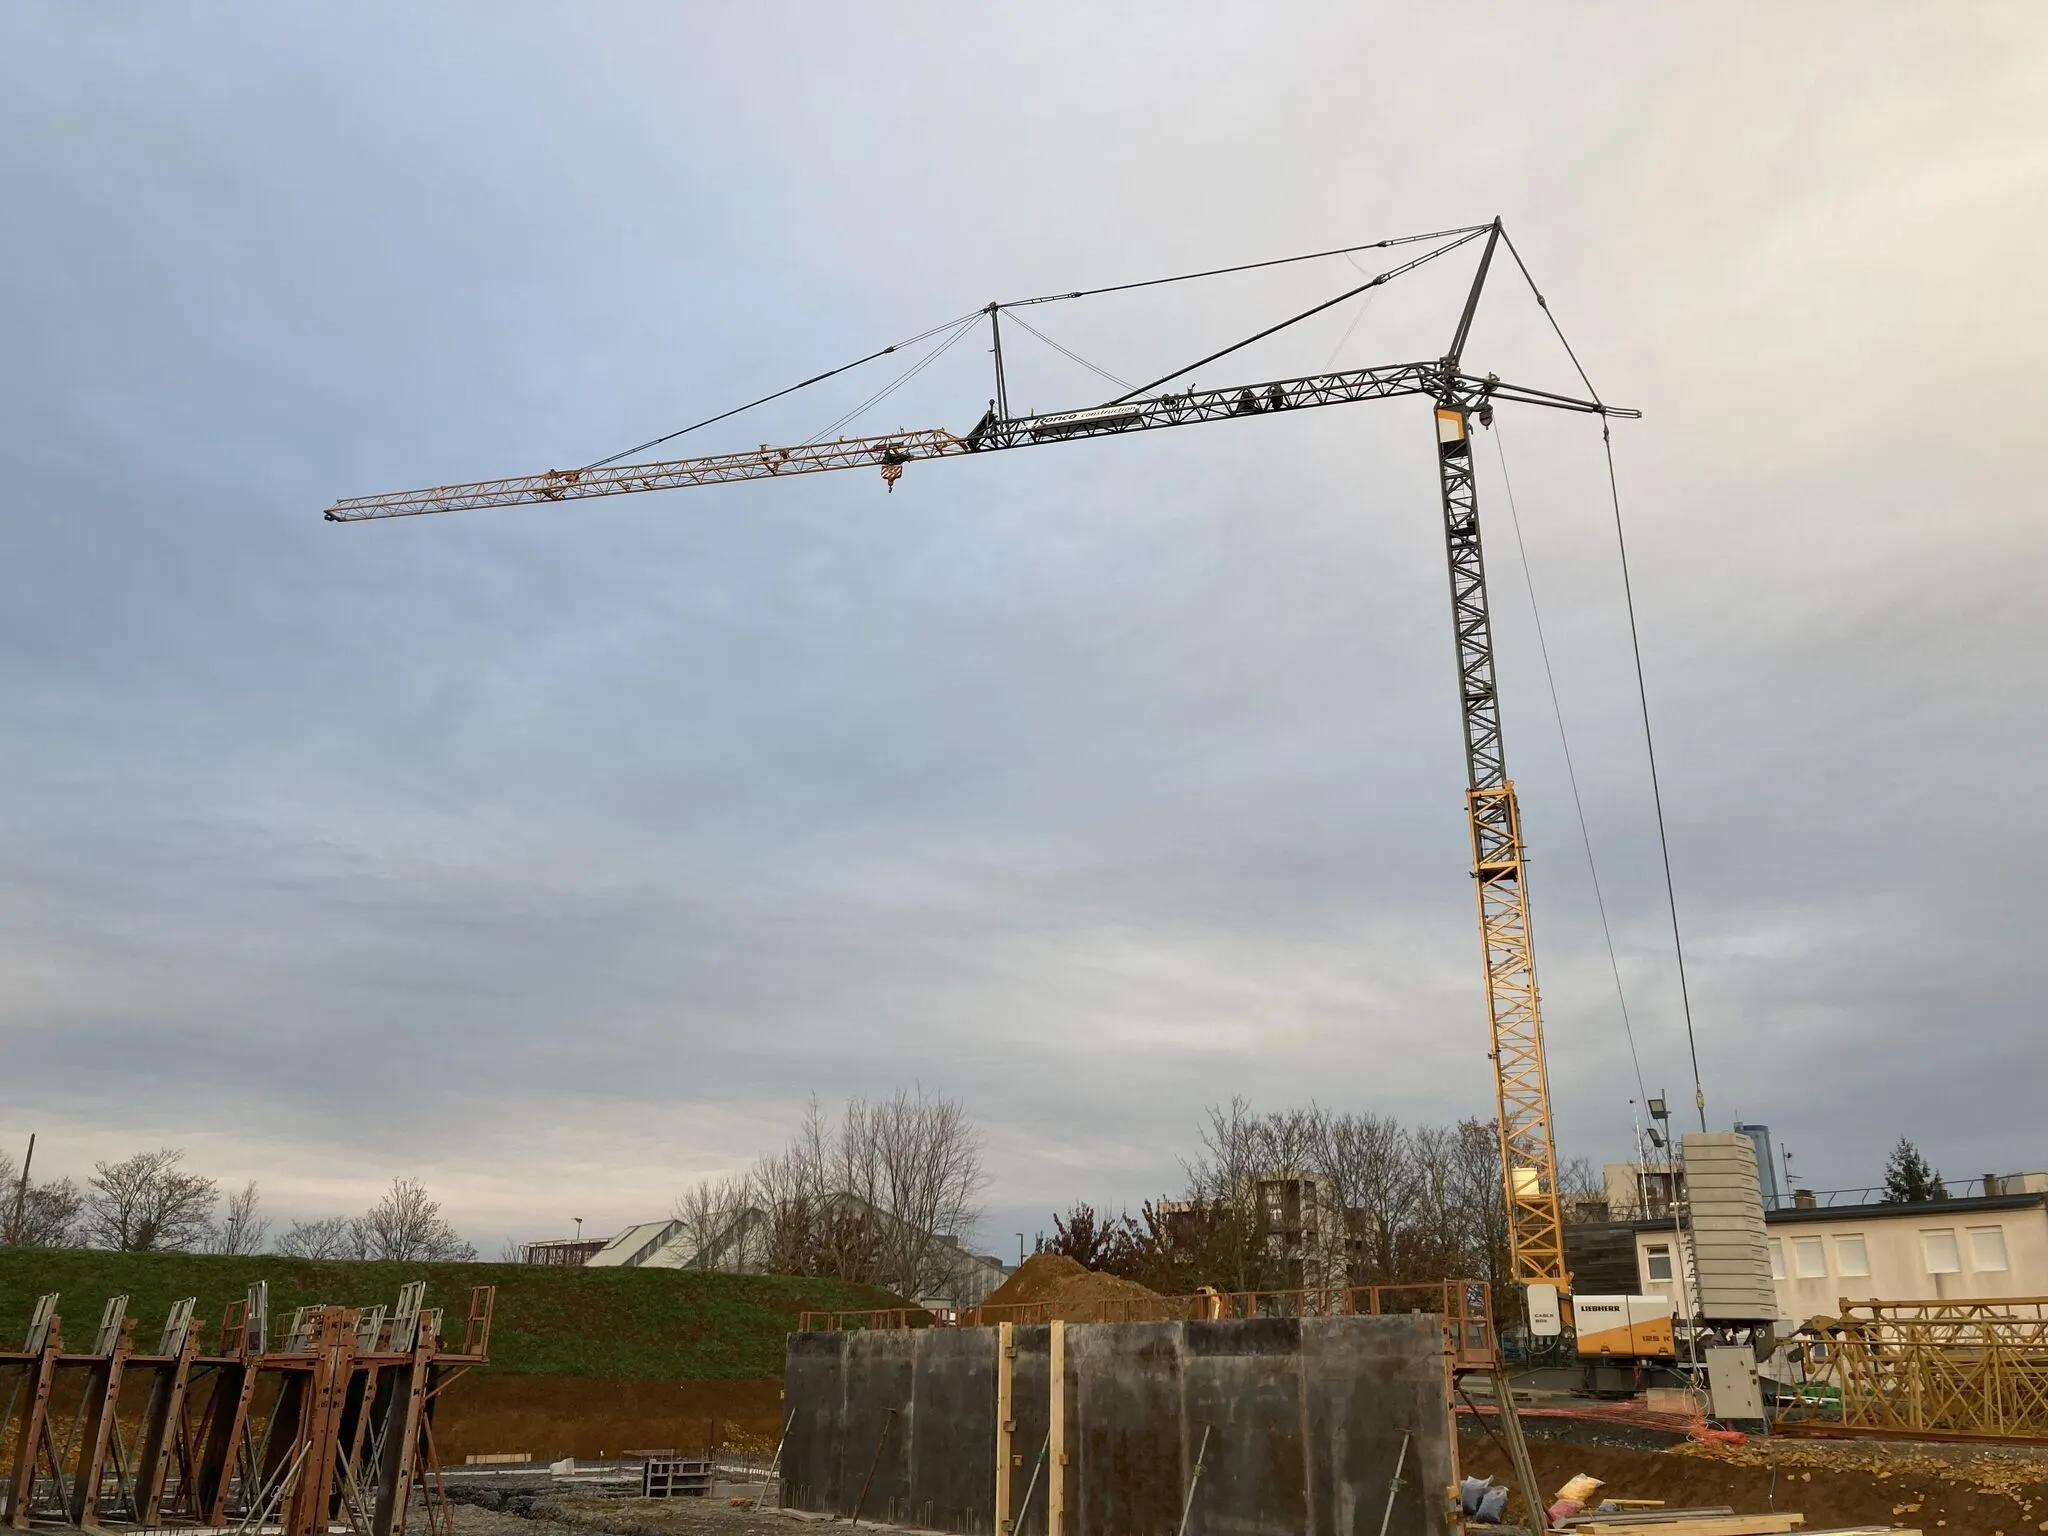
(624, 1517)
(1955, 1490)
(1960, 1491)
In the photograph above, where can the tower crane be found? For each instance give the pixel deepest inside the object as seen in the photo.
(1459, 399)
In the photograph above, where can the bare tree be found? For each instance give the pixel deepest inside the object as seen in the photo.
(723, 1224)
(1418, 1205)
(885, 1195)
(1482, 1203)
(927, 1158)
(242, 1228)
(512, 1251)
(1216, 1230)
(149, 1202)
(329, 1237)
(407, 1224)
(1370, 1163)
(790, 1189)
(1581, 1192)
(32, 1215)
(1233, 1226)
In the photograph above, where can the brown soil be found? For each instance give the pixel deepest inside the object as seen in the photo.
(1960, 1492)
(555, 1416)
(1065, 1286)
(623, 1517)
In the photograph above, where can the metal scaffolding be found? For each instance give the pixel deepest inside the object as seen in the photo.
(1965, 1369)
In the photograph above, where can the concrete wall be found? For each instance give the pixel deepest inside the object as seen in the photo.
(1305, 1419)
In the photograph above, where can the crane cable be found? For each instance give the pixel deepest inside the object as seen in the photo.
(960, 328)
(1699, 1092)
(1345, 340)
(1249, 266)
(1070, 354)
(1570, 769)
(1079, 293)
(816, 378)
(1350, 293)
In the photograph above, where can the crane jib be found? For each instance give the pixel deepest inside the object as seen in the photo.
(893, 450)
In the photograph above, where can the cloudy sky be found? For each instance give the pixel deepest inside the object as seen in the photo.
(557, 855)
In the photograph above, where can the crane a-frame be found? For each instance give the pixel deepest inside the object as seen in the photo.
(1514, 1012)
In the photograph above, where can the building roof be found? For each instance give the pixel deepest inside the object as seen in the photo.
(1878, 1210)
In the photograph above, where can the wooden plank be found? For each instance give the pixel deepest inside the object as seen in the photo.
(1006, 1425)
(1056, 1440)
(1648, 1520)
(1713, 1525)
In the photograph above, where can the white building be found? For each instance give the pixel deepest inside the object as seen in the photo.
(1981, 1248)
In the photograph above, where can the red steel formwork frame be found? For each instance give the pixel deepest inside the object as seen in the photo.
(332, 1427)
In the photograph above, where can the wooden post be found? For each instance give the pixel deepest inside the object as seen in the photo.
(1006, 1423)
(1056, 1442)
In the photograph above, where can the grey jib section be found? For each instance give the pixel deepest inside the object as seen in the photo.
(1305, 1419)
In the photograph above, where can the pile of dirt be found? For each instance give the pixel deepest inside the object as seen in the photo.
(1068, 1291)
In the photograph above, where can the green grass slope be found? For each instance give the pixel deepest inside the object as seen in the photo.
(645, 1324)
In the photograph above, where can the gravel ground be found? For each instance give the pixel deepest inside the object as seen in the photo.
(604, 1516)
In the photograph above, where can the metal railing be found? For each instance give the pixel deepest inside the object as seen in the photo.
(1872, 1194)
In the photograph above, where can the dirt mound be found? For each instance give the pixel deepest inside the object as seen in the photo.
(1070, 1291)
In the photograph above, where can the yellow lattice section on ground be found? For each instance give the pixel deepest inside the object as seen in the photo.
(1515, 1014)
(1947, 1367)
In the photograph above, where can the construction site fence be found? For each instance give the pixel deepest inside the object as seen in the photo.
(1936, 1369)
(1465, 1306)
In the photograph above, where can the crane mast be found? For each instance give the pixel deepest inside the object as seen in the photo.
(1514, 1013)
(1514, 1010)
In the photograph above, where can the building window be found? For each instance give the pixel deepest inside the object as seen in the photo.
(1658, 1259)
(1777, 1258)
(1987, 1248)
(1809, 1258)
(1852, 1258)
(1939, 1245)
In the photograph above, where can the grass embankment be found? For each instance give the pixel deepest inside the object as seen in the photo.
(619, 1324)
